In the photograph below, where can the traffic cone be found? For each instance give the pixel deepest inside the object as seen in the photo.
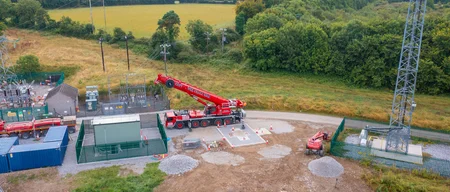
(225, 124)
(232, 146)
(267, 141)
(203, 139)
(209, 147)
(232, 129)
(271, 128)
(218, 125)
(223, 138)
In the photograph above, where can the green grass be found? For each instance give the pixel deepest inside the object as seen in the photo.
(276, 91)
(111, 179)
(391, 179)
(142, 19)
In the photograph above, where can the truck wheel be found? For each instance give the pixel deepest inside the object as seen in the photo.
(227, 121)
(179, 125)
(25, 135)
(72, 130)
(321, 153)
(217, 122)
(204, 123)
(13, 135)
(43, 133)
(170, 83)
(195, 124)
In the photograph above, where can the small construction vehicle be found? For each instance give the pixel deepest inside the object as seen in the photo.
(315, 145)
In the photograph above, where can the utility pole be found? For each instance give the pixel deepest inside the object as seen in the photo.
(104, 13)
(223, 30)
(92, 18)
(208, 34)
(103, 57)
(165, 53)
(128, 57)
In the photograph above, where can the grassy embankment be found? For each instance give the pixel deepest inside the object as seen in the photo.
(142, 19)
(266, 91)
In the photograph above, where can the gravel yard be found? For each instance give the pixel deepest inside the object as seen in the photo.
(275, 152)
(178, 164)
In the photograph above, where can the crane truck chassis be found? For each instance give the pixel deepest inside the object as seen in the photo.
(26, 129)
(228, 111)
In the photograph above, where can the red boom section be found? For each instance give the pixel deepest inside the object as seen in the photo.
(196, 93)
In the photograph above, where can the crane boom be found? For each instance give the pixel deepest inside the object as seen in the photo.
(222, 106)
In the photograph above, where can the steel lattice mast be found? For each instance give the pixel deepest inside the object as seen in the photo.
(403, 103)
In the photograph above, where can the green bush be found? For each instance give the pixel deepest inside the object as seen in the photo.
(234, 55)
(27, 64)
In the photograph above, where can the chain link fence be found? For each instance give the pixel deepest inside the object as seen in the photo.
(341, 149)
(154, 145)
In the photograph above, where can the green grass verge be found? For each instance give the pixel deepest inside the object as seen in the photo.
(116, 178)
(391, 179)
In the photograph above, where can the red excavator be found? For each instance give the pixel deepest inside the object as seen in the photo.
(315, 145)
(221, 110)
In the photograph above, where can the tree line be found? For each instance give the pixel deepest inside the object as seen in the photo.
(365, 53)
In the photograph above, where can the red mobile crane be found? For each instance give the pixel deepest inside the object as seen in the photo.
(221, 111)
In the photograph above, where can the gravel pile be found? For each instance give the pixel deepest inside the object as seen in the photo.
(326, 167)
(275, 152)
(178, 164)
(438, 151)
(352, 139)
(223, 158)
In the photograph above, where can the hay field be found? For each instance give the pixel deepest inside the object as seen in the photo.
(142, 19)
(267, 91)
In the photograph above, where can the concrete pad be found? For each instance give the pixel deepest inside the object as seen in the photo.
(414, 154)
(262, 131)
(278, 126)
(209, 134)
(240, 137)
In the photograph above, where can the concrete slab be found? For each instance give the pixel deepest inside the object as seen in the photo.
(261, 131)
(414, 154)
(278, 126)
(240, 137)
(209, 134)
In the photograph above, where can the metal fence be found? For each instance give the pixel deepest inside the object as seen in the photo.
(143, 147)
(342, 149)
(117, 108)
(54, 77)
(23, 113)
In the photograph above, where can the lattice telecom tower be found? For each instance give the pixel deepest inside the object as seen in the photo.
(5, 73)
(398, 133)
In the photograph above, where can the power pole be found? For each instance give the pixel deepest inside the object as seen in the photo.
(165, 53)
(103, 58)
(208, 34)
(128, 57)
(223, 30)
(104, 13)
(92, 18)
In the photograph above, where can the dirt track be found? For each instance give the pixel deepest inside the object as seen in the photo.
(287, 174)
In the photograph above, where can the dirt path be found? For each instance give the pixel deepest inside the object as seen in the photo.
(257, 174)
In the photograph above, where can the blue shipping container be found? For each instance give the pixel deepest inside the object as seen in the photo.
(32, 156)
(5, 146)
(58, 134)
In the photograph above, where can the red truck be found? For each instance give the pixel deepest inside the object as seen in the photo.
(221, 110)
(25, 129)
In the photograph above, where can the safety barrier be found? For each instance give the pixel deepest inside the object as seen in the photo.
(23, 113)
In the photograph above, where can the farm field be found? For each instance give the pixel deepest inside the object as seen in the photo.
(268, 91)
(142, 19)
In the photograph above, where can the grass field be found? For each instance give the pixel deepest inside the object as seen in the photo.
(142, 19)
(268, 91)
